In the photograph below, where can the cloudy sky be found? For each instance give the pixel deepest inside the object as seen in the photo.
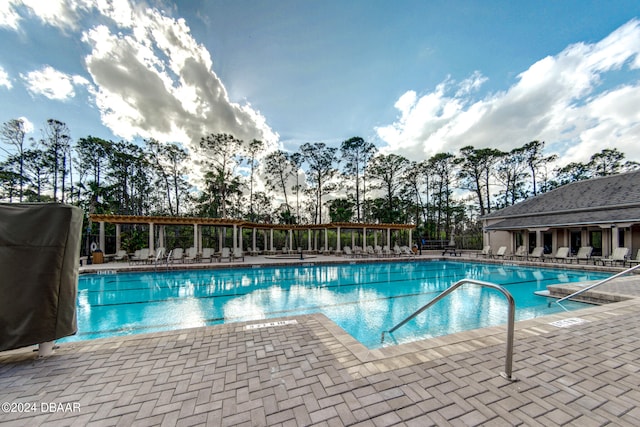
(414, 77)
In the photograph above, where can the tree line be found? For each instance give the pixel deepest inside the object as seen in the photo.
(318, 183)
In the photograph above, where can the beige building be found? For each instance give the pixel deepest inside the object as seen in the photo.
(603, 213)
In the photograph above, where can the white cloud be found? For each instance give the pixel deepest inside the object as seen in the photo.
(150, 77)
(27, 125)
(555, 100)
(52, 83)
(4, 79)
(154, 80)
(9, 18)
(63, 14)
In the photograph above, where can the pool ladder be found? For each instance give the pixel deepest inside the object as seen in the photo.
(507, 374)
(595, 285)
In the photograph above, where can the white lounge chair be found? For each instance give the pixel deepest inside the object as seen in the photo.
(520, 253)
(161, 255)
(584, 254)
(636, 260)
(191, 255)
(141, 256)
(348, 252)
(207, 254)
(237, 254)
(225, 254)
(486, 252)
(120, 255)
(536, 253)
(561, 254)
(619, 255)
(177, 255)
(501, 252)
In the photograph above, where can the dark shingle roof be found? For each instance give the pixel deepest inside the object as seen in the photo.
(609, 199)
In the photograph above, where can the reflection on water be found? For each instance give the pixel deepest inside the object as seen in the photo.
(364, 299)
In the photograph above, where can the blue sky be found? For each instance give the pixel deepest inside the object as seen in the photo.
(414, 77)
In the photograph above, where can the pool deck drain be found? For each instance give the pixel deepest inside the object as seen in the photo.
(312, 373)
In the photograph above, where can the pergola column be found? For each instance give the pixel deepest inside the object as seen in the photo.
(326, 238)
(615, 241)
(338, 250)
(118, 238)
(353, 239)
(253, 239)
(309, 240)
(271, 240)
(161, 235)
(290, 239)
(235, 238)
(411, 240)
(364, 237)
(375, 238)
(195, 237)
(101, 237)
(152, 246)
(389, 237)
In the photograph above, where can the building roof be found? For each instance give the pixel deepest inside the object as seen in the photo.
(607, 200)
(229, 222)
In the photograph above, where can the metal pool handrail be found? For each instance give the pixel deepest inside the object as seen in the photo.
(510, 326)
(601, 282)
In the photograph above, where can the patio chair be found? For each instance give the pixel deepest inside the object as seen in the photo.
(584, 254)
(347, 252)
(386, 252)
(140, 256)
(225, 254)
(619, 255)
(120, 255)
(135, 257)
(177, 255)
(370, 251)
(636, 260)
(191, 255)
(561, 255)
(501, 252)
(237, 254)
(405, 251)
(207, 254)
(521, 253)
(536, 253)
(486, 252)
(161, 256)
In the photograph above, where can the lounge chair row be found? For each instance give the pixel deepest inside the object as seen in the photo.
(378, 251)
(179, 255)
(619, 255)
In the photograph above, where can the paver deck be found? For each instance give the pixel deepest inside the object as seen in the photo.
(310, 372)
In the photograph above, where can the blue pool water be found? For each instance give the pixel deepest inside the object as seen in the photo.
(364, 299)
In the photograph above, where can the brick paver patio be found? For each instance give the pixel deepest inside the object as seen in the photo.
(312, 373)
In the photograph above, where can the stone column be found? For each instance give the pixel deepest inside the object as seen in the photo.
(101, 242)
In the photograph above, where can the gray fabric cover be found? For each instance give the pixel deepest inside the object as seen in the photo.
(39, 260)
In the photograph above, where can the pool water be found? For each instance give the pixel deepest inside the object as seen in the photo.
(364, 299)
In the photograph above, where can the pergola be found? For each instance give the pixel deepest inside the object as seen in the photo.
(237, 226)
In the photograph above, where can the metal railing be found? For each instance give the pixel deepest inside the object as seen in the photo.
(595, 285)
(510, 326)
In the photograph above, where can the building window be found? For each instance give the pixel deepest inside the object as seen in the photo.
(576, 241)
(595, 236)
(547, 238)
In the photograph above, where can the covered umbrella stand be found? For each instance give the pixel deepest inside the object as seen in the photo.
(39, 261)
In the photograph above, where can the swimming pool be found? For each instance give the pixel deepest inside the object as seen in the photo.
(364, 299)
